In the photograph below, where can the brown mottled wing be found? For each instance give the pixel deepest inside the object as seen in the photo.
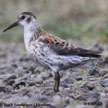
(62, 47)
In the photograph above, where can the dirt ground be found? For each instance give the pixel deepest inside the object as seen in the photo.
(23, 84)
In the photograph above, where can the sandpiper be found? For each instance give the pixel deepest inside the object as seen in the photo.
(49, 50)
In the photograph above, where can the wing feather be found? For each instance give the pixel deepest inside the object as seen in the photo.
(63, 47)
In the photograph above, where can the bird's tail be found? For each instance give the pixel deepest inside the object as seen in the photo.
(87, 53)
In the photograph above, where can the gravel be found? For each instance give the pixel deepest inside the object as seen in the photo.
(23, 81)
(104, 82)
(93, 71)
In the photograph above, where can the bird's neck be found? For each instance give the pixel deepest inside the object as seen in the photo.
(31, 28)
(31, 32)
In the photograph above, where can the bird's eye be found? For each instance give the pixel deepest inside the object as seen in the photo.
(23, 17)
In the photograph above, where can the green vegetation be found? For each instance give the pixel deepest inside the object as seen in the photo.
(79, 20)
(77, 82)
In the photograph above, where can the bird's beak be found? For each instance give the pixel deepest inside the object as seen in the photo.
(11, 26)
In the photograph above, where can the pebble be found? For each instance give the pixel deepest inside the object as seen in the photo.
(89, 85)
(39, 79)
(19, 84)
(92, 96)
(93, 71)
(104, 82)
(79, 78)
(2, 88)
(24, 59)
(57, 100)
(10, 77)
(10, 80)
(98, 48)
(44, 75)
(31, 83)
(14, 65)
(103, 72)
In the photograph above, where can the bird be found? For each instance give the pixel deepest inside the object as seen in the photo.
(49, 50)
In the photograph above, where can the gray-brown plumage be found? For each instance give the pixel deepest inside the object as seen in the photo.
(48, 50)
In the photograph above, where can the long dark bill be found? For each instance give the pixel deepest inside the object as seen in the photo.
(11, 26)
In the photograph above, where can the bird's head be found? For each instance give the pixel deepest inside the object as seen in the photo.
(25, 19)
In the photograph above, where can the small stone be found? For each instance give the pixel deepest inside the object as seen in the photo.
(92, 96)
(61, 88)
(106, 105)
(90, 86)
(10, 80)
(57, 100)
(67, 100)
(2, 88)
(43, 99)
(2, 71)
(31, 68)
(39, 79)
(97, 48)
(65, 86)
(93, 71)
(44, 75)
(19, 84)
(104, 83)
(10, 77)
(24, 59)
(36, 71)
(79, 78)
(14, 65)
(103, 72)
(8, 89)
(31, 83)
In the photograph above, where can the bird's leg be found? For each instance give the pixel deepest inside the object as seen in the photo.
(57, 82)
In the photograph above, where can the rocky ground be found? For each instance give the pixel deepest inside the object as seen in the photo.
(23, 84)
